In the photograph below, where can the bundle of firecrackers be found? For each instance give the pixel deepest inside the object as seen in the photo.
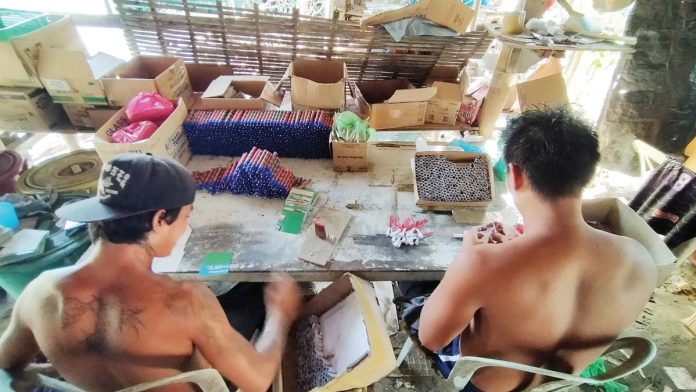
(409, 232)
(302, 134)
(313, 368)
(256, 173)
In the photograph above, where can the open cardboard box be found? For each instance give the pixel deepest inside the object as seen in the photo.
(168, 141)
(70, 76)
(28, 109)
(444, 107)
(165, 75)
(369, 360)
(201, 75)
(317, 84)
(216, 96)
(20, 54)
(543, 92)
(459, 158)
(393, 103)
(349, 157)
(622, 220)
(448, 13)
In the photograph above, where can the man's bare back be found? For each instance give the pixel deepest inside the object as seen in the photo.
(556, 299)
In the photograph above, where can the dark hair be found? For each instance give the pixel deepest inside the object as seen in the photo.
(129, 230)
(557, 151)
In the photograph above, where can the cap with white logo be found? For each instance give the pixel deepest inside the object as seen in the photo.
(132, 184)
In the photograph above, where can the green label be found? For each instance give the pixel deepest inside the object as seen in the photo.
(216, 263)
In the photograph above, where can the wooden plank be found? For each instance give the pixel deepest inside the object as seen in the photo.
(316, 250)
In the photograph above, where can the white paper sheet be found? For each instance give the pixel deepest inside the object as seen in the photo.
(345, 334)
(162, 265)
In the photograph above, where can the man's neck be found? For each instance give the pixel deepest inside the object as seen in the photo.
(563, 215)
(133, 257)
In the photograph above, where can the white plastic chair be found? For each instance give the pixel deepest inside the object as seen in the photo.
(643, 352)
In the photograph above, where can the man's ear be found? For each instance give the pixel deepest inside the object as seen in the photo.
(158, 221)
(519, 180)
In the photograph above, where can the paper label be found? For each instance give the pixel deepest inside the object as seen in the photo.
(57, 85)
(216, 263)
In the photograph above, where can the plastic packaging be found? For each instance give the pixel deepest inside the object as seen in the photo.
(148, 107)
(134, 132)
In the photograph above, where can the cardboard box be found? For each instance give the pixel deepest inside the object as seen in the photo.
(168, 141)
(404, 109)
(449, 13)
(471, 105)
(226, 92)
(349, 157)
(165, 75)
(79, 114)
(72, 77)
(99, 115)
(444, 107)
(372, 348)
(21, 54)
(545, 92)
(443, 73)
(201, 75)
(458, 158)
(317, 84)
(622, 220)
(28, 109)
(376, 91)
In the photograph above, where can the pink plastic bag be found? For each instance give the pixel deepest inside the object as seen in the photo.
(148, 107)
(135, 132)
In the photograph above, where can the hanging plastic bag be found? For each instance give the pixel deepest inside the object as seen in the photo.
(148, 107)
(135, 132)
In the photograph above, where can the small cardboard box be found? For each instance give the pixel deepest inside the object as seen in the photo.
(349, 157)
(449, 13)
(622, 220)
(444, 107)
(405, 108)
(317, 84)
(79, 114)
(545, 92)
(168, 140)
(201, 75)
(72, 77)
(21, 54)
(370, 357)
(224, 93)
(165, 75)
(28, 109)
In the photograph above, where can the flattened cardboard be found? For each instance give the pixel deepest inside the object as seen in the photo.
(28, 109)
(449, 13)
(377, 364)
(71, 77)
(21, 54)
(318, 84)
(258, 87)
(349, 157)
(165, 75)
(444, 107)
(404, 109)
(168, 141)
(545, 92)
(625, 222)
(201, 75)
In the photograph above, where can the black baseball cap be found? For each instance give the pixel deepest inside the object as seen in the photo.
(132, 184)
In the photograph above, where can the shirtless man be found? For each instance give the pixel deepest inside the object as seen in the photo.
(556, 296)
(110, 322)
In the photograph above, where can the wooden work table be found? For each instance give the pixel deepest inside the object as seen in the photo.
(247, 225)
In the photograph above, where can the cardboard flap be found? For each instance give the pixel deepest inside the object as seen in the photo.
(218, 87)
(271, 95)
(549, 91)
(64, 64)
(690, 149)
(413, 95)
(448, 91)
(102, 63)
(449, 13)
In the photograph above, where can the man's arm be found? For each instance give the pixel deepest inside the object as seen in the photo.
(250, 369)
(452, 306)
(18, 347)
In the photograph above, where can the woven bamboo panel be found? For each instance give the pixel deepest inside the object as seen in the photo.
(260, 43)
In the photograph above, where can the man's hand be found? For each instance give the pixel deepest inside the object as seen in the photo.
(283, 296)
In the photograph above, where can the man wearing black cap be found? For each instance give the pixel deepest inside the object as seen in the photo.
(110, 322)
